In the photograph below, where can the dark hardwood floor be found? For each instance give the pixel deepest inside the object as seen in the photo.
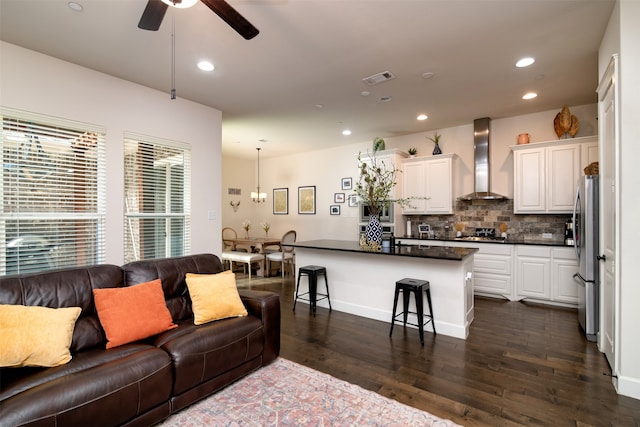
(522, 364)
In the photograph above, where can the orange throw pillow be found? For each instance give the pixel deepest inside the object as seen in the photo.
(132, 313)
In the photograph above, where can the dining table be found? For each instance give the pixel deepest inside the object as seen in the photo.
(259, 245)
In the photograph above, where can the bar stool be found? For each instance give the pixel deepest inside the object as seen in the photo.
(312, 272)
(406, 286)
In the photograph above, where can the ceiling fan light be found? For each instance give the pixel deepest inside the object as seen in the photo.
(180, 4)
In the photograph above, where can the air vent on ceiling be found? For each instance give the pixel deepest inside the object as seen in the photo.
(379, 78)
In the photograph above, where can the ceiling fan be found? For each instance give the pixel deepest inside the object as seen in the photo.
(155, 10)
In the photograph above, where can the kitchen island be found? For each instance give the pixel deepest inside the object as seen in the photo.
(362, 282)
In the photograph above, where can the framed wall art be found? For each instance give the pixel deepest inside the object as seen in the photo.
(347, 183)
(334, 209)
(307, 200)
(338, 198)
(280, 201)
(353, 200)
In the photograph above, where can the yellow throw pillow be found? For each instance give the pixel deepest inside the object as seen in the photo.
(214, 297)
(36, 336)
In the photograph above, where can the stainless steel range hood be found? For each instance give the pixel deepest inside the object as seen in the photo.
(482, 178)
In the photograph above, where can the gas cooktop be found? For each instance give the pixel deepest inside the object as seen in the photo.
(482, 238)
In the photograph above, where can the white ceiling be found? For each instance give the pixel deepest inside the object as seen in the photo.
(313, 52)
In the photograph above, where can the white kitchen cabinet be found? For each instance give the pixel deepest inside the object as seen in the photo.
(539, 273)
(429, 177)
(589, 153)
(492, 266)
(545, 274)
(414, 183)
(564, 265)
(532, 272)
(546, 174)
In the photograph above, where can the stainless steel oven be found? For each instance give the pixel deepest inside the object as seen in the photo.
(386, 215)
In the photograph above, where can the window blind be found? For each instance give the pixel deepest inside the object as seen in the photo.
(53, 193)
(157, 198)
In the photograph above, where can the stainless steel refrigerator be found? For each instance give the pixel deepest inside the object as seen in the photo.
(586, 243)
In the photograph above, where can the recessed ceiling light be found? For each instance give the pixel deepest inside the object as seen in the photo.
(75, 6)
(319, 106)
(525, 62)
(365, 93)
(385, 98)
(346, 132)
(422, 117)
(206, 66)
(427, 75)
(529, 95)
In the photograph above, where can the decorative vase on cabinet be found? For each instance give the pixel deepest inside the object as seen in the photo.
(436, 150)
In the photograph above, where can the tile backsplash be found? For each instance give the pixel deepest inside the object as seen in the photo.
(490, 214)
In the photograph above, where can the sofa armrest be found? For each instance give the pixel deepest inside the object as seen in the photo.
(265, 306)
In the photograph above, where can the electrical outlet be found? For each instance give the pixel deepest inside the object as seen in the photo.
(547, 235)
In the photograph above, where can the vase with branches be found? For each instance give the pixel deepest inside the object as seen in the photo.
(376, 182)
(436, 140)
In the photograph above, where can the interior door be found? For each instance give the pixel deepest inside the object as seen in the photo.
(609, 306)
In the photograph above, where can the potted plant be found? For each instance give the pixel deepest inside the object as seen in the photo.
(374, 186)
(413, 151)
(436, 140)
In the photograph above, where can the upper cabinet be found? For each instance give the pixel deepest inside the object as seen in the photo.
(430, 178)
(546, 174)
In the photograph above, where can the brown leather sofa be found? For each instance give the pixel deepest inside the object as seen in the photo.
(139, 383)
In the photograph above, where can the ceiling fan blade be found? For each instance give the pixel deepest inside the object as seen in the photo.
(153, 14)
(232, 17)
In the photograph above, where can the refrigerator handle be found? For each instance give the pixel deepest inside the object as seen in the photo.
(575, 228)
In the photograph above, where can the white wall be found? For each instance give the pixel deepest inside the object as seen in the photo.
(326, 168)
(41, 84)
(623, 29)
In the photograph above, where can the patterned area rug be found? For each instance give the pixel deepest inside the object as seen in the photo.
(285, 393)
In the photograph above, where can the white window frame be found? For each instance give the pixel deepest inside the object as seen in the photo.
(175, 241)
(73, 228)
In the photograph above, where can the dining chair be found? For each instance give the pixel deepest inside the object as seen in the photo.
(229, 236)
(286, 253)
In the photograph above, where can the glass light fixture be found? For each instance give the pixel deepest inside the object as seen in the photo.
(257, 196)
(181, 4)
(525, 62)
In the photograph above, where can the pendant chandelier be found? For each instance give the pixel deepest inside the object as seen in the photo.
(257, 196)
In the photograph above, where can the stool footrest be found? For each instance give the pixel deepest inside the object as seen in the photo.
(395, 318)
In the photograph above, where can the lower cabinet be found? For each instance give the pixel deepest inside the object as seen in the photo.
(532, 272)
(516, 272)
(545, 274)
(563, 267)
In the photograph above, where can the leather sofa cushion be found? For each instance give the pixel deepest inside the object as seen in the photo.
(71, 287)
(172, 273)
(134, 378)
(202, 352)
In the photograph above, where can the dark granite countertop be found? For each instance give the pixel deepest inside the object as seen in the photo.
(451, 253)
(508, 241)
